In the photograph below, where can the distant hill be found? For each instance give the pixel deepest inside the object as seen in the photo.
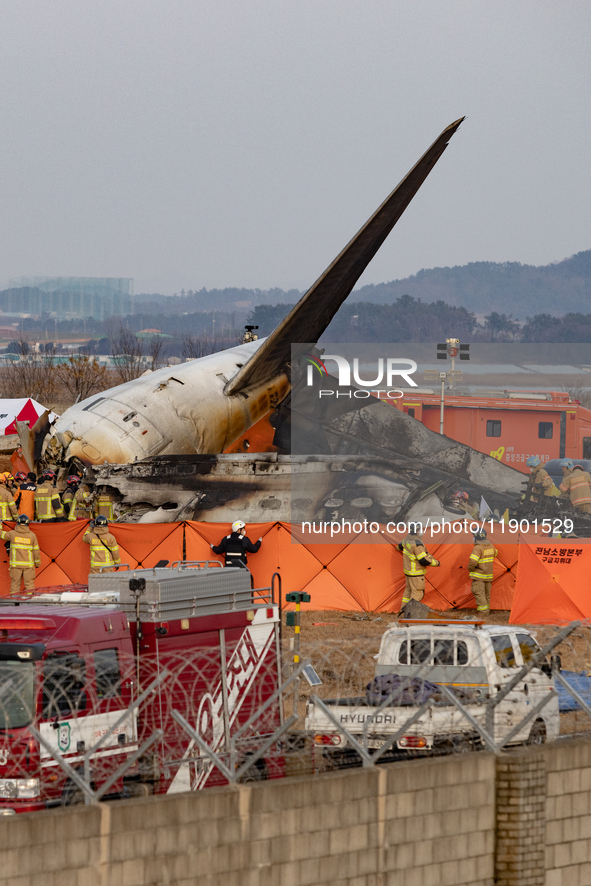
(480, 287)
(511, 288)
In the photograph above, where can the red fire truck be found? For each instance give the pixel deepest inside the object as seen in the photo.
(195, 639)
(509, 425)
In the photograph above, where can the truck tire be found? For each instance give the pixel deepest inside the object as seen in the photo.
(257, 772)
(462, 746)
(537, 734)
(72, 795)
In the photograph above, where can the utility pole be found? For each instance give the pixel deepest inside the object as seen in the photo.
(442, 377)
(293, 620)
(436, 375)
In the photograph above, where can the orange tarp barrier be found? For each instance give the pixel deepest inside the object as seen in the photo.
(550, 590)
(277, 554)
(143, 544)
(349, 574)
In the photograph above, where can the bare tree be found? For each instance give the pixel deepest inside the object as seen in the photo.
(32, 375)
(82, 376)
(155, 353)
(127, 355)
(192, 347)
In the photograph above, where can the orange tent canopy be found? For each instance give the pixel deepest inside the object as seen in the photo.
(552, 583)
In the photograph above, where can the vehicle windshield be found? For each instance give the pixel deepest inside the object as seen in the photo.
(17, 693)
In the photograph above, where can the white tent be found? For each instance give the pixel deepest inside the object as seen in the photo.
(23, 409)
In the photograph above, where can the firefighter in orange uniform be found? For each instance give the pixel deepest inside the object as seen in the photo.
(8, 509)
(415, 559)
(25, 497)
(481, 564)
(24, 555)
(463, 501)
(104, 550)
(578, 486)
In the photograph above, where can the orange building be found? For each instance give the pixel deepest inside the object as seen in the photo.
(509, 425)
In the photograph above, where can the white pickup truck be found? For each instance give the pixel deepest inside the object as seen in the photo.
(476, 663)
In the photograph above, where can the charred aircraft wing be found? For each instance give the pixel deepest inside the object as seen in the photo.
(309, 318)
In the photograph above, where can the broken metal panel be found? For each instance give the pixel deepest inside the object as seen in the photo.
(344, 425)
(381, 430)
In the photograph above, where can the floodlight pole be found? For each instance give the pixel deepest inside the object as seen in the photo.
(453, 346)
(442, 376)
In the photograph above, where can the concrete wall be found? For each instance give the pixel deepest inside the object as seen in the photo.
(518, 820)
(568, 815)
(430, 821)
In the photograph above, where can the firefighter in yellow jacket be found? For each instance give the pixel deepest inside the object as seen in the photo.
(77, 502)
(415, 559)
(481, 564)
(48, 505)
(104, 550)
(104, 504)
(578, 486)
(541, 481)
(24, 555)
(8, 509)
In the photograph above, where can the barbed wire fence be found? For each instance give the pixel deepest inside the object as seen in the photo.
(74, 730)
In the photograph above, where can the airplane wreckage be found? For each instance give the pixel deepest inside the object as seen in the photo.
(157, 442)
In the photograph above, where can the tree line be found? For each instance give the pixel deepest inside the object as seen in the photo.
(405, 319)
(410, 319)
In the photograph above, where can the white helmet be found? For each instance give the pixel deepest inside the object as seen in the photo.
(237, 525)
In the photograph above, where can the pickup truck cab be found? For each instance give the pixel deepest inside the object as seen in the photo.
(475, 661)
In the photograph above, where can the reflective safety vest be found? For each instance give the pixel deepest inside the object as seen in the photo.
(78, 502)
(22, 551)
(47, 503)
(7, 505)
(577, 485)
(410, 561)
(104, 507)
(481, 562)
(102, 554)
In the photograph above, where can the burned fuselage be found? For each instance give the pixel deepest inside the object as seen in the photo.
(289, 488)
(178, 410)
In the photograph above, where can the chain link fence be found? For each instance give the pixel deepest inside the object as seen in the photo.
(81, 730)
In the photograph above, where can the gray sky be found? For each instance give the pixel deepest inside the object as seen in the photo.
(243, 142)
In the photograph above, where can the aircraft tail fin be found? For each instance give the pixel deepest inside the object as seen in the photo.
(309, 318)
